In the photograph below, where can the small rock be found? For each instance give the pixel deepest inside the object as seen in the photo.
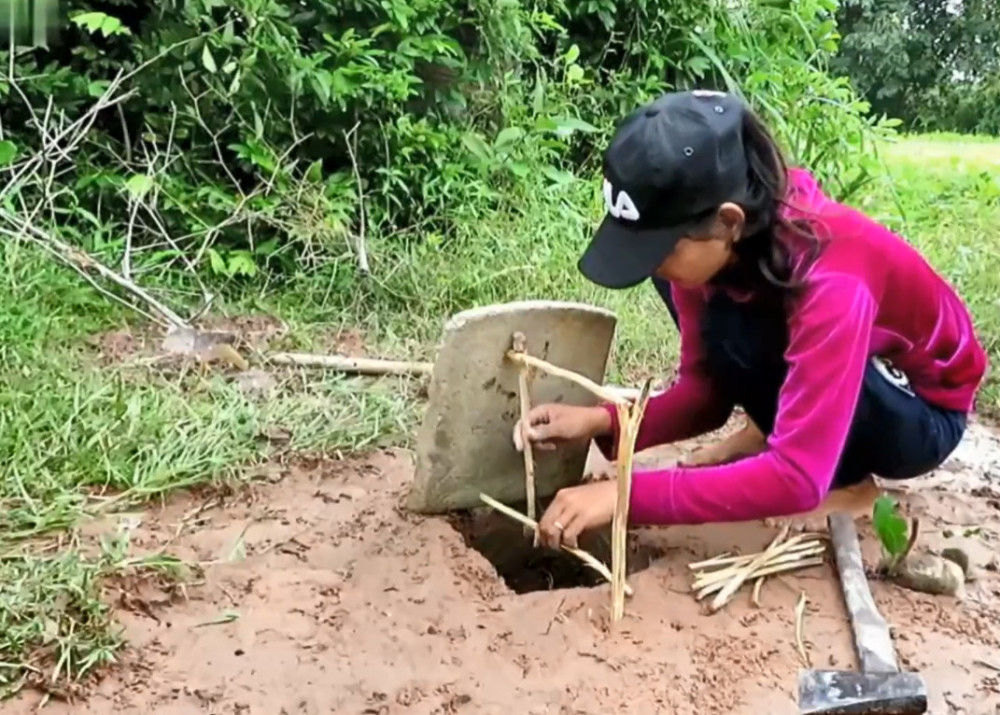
(958, 556)
(932, 574)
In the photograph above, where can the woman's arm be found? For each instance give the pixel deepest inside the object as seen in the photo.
(693, 405)
(829, 335)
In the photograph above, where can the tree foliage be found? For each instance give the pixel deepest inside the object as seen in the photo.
(265, 133)
(933, 63)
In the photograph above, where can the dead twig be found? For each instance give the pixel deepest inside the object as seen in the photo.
(362, 247)
(800, 610)
(587, 558)
(629, 419)
(344, 363)
(724, 575)
(608, 395)
(520, 346)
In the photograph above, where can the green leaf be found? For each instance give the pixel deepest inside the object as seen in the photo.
(565, 126)
(242, 263)
(91, 21)
(520, 170)
(574, 73)
(8, 152)
(98, 87)
(315, 172)
(113, 26)
(476, 146)
(889, 525)
(573, 54)
(216, 261)
(508, 136)
(138, 185)
(558, 176)
(207, 60)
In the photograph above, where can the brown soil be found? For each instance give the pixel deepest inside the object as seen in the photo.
(347, 604)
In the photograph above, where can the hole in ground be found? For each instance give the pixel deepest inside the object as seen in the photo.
(526, 569)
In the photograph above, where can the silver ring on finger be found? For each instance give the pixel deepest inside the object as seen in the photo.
(558, 526)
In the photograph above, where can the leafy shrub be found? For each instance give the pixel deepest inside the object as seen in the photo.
(269, 134)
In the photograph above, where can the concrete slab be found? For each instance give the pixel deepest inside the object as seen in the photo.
(464, 445)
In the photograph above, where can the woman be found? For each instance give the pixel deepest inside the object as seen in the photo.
(839, 341)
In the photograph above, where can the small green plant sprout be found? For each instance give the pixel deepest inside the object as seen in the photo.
(896, 535)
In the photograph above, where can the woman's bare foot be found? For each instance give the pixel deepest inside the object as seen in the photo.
(745, 443)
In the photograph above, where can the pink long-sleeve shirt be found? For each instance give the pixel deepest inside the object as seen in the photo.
(868, 293)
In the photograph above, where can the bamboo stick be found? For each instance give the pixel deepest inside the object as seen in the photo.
(742, 560)
(608, 395)
(800, 611)
(629, 419)
(728, 558)
(708, 577)
(730, 588)
(587, 558)
(520, 347)
(767, 571)
(343, 363)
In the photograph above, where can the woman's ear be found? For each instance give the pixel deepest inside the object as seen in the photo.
(731, 220)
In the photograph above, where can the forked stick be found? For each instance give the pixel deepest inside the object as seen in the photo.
(520, 346)
(584, 382)
(585, 557)
(629, 419)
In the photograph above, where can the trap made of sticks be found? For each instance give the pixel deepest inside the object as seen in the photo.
(494, 364)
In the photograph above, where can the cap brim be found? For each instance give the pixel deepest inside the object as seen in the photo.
(621, 257)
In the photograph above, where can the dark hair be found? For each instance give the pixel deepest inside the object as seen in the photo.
(765, 253)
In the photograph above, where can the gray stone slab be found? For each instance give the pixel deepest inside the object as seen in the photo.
(464, 445)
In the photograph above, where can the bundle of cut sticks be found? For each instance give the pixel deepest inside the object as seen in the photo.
(725, 574)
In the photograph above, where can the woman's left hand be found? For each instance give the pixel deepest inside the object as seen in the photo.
(575, 510)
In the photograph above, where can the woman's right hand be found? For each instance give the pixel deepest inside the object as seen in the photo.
(551, 425)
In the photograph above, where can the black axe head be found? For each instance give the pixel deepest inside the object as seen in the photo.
(839, 692)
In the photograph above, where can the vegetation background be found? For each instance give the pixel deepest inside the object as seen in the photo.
(373, 166)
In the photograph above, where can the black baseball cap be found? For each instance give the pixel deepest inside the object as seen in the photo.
(670, 164)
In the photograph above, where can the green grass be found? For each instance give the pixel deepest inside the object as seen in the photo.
(78, 439)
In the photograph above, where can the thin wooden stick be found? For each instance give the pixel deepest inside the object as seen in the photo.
(724, 558)
(800, 611)
(629, 419)
(587, 558)
(725, 574)
(344, 363)
(730, 588)
(727, 560)
(607, 395)
(768, 571)
(520, 346)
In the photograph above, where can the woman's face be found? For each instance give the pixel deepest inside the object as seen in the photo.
(699, 257)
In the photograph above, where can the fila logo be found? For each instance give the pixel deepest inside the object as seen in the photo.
(621, 208)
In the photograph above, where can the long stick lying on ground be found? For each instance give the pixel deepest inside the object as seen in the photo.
(520, 346)
(378, 366)
(344, 363)
(629, 419)
(585, 557)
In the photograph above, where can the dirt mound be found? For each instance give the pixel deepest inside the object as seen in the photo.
(321, 595)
